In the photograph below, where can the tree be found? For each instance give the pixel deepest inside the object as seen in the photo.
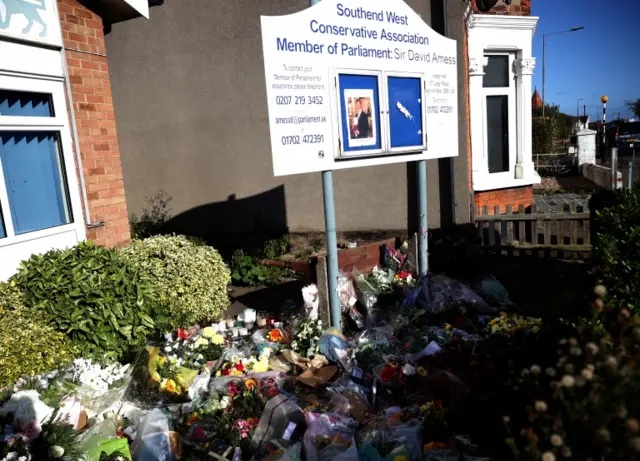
(634, 106)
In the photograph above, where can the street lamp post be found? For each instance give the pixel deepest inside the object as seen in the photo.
(544, 51)
(578, 107)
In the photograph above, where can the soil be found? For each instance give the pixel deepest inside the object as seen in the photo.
(568, 184)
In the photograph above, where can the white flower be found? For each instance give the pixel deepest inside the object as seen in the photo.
(568, 381)
(168, 348)
(409, 369)
(587, 374)
(535, 369)
(540, 406)
(556, 440)
(25, 406)
(548, 456)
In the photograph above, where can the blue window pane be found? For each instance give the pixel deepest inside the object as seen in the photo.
(24, 104)
(34, 177)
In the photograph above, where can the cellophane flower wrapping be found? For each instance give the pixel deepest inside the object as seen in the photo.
(329, 437)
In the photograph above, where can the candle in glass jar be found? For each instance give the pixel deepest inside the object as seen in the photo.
(262, 322)
(230, 323)
(222, 326)
(243, 331)
(250, 315)
(234, 331)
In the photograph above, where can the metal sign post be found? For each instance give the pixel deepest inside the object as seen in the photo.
(356, 84)
(631, 163)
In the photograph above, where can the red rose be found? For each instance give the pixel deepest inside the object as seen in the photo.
(184, 334)
(225, 372)
(199, 433)
(437, 403)
(404, 274)
(239, 366)
(388, 373)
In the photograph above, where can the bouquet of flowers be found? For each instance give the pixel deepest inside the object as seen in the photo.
(275, 336)
(306, 340)
(193, 349)
(242, 366)
(507, 324)
(393, 373)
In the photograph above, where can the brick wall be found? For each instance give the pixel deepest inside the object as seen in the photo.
(517, 8)
(83, 36)
(502, 197)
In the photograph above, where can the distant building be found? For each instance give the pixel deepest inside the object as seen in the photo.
(536, 100)
(581, 123)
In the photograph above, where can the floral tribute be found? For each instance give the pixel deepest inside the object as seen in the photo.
(306, 339)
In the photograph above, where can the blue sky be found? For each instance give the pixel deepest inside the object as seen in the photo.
(603, 58)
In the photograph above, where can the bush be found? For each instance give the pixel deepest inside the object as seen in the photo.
(246, 270)
(616, 244)
(154, 216)
(102, 301)
(582, 404)
(191, 278)
(544, 132)
(28, 346)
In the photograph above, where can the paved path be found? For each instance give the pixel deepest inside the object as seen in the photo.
(558, 201)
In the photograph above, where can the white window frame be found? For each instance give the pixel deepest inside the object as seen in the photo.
(489, 34)
(59, 124)
(510, 92)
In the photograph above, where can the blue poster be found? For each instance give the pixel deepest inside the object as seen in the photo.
(405, 112)
(360, 112)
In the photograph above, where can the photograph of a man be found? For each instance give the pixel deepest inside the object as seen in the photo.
(360, 117)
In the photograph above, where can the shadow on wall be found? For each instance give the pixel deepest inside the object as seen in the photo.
(235, 223)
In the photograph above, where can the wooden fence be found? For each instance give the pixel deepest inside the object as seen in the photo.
(529, 230)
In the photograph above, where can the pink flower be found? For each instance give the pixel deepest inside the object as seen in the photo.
(32, 429)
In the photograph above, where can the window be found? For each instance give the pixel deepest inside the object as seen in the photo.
(34, 189)
(24, 104)
(499, 93)
(34, 178)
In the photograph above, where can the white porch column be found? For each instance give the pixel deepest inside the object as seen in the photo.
(479, 163)
(523, 68)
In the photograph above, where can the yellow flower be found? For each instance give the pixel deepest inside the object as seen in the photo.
(217, 339)
(162, 360)
(400, 458)
(170, 386)
(250, 384)
(208, 332)
(155, 376)
(261, 366)
(200, 342)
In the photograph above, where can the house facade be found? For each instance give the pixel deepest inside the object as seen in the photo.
(60, 172)
(189, 89)
(501, 66)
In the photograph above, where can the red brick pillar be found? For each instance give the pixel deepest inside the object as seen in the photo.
(83, 37)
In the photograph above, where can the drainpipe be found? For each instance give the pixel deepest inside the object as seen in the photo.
(452, 176)
(74, 135)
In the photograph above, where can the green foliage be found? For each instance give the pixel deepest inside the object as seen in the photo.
(191, 278)
(275, 248)
(582, 403)
(616, 245)
(29, 346)
(154, 216)
(544, 132)
(247, 270)
(101, 301)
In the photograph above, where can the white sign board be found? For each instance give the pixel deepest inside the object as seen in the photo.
(354, 83)
(32, 20)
